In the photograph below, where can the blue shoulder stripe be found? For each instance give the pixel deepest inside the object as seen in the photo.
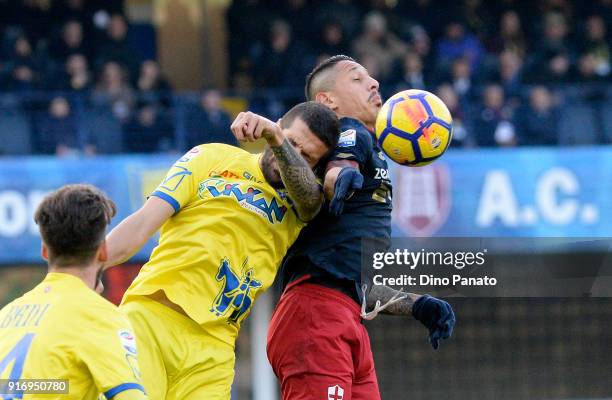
(169, 199)
(109, 394)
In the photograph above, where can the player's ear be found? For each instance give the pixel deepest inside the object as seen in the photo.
(44, 252)
(327, 99)
(103, 252)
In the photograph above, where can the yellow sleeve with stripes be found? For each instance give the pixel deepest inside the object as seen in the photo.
(181, 182)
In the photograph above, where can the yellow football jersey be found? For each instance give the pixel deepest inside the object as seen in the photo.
(62, 329)
(224, 244)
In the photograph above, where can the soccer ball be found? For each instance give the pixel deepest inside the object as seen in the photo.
(414, 127)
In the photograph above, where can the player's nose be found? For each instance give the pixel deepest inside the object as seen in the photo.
(373, 84)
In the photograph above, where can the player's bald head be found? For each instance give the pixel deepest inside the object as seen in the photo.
(322, 78)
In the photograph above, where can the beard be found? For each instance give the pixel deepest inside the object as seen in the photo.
(269, 167)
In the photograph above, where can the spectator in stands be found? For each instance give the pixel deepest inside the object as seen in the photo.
(75, 76)
(152, 86)
(491, 124)
(333, 40)
(208, 122)
(379, 43)
(280, 62)
(410, 73)
(299, 17)
(428, 14)
(461, 137)
(510, 73)
(461, 78)
(113, 90)
(420, 44)
(477, 17)
(116, 47)
(457, 43)
(71, 42)
(553, 56)
(244, 20)
(148, 131)
(344, 11)
(596, 45)
(510, 36)
(536, 124)
(57, 133)
(77, 69)
(558, 69)
(586, 70)
(556, 31)
(22, 66)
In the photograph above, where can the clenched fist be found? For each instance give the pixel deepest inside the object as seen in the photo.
(249, 127)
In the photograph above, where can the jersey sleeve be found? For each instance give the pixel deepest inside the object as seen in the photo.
(354, 144)
(109, 350)
(131, 395)
(181, 182)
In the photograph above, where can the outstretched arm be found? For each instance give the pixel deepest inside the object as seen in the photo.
(133, 232)
(437, 315)
(296, 174)
(384, 294)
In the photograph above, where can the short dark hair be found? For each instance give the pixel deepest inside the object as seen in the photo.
(321, 121)
(323, 66)
(72, 222)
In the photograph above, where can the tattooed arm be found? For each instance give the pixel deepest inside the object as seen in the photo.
(295, 172)
(435, 314)
(384, 294)
(299, 180)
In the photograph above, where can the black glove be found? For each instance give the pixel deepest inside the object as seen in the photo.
(437, 315)
(349, 179)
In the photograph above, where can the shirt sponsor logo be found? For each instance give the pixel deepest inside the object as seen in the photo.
(347, 138)
(248, 197)
(224, 174)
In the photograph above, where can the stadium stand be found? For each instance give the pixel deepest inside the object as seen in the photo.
(90, 54)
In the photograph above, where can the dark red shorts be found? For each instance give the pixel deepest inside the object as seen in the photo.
(318, 347)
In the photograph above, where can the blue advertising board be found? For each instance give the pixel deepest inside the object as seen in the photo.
(533, 192)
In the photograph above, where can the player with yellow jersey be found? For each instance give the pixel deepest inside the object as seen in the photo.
(227, 218)
(63, 330)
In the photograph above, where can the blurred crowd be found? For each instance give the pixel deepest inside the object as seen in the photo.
(77, 78)
(505, 68)
(73, 81)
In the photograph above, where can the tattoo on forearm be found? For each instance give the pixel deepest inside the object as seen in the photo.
(299, 180)
(384, 294)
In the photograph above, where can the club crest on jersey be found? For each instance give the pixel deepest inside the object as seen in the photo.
(335, 393)
(248, 197)
(234, 299)
(347, 138)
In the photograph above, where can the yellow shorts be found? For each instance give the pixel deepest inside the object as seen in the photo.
(178, 359)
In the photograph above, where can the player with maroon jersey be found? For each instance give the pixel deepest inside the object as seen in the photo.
(317, 344)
